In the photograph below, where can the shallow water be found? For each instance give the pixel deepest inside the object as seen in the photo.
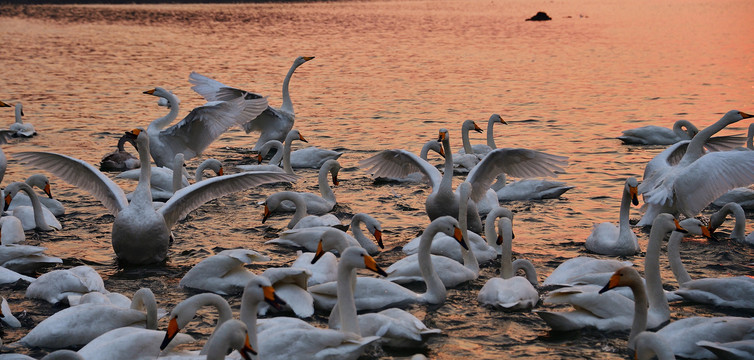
(386, 75)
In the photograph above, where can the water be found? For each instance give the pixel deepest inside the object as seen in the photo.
(386, 75)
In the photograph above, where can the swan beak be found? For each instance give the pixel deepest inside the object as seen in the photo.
(706, 232)
(47, 190)
(442, 136)
(370, 264)
(247, 351)
(2, 104)
(22, 112)
(442, 152)
(634, 191)
(8, 199)
(267, 213)
(458, 235)
(319, 253)
(503, 121)
(135, 133)
(307, 58)
(301, 137)
(477, 128)
(170, 333)
(335, 179)
(613, 283)
(259, 159)
(150, 92)
(499, 240)
(220, 172)
(744, 115)
(272, 298)
(378, 237)
(678, 227)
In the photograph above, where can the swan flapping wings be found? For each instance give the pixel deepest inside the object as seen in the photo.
(399, 163)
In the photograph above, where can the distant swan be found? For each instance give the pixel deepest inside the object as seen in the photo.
(39, 181)
(32, 217)
(300, 218)
(20, 128)
(482, 149)
(739, 229)
(658, 135)
(272, 123)
(608, 239)
(120, 159)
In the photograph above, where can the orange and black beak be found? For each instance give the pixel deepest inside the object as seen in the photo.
(678, 227)
(8, 199)
(499, 240)
(706, 232)
(267, 213)
(319, 253)
(221, 171)
(477, 128)
(47, 190)
(301, 137)
(442, 136)
(259, 159)
(172, 331)
(442, 152)
(2, 104)
(613, 283)
(458, 235)
(503, 121)
(272, 298)
(744, 115)
(378, 237)
(371, 264)
(634, 191)
(335, 179)
(247, 351)
(149, 92)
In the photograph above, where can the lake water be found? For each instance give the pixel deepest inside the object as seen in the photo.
(387, 74)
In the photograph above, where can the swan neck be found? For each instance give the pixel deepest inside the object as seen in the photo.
(657, 301)
(436, 292)
(144, 300)
(358, 234)
(625, 211)
(163, 122)
(490, 134)
(529, 270)
(36, 205)
(640, 311)
(248, 316)
(224, 314)
(506, 264)
(278, 157)
(18, 112)
(324, 187)
(684, 129)
(143, 193)
(446, 183)
(177, 176)
(469, 260)
(346, 303)
(287, 155)
(695, 149)
(739, 229)
(287, 103)
(122, 143)
(301, 209)
(466, 141)
(674, 257)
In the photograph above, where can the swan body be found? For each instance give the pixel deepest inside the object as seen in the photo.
(606, 238)
(20, 128)
(299, 220)
(738, 233)
(373, 293)
(417, 176)
(658, 135)
(528, 189)
(8, 276)
(120, 159)
(39, 181)
(25, 258)
(742, 196)
(308, 238)
(223, 273)
(11, 230)
(734, 350)
(325, 201)
(615, 311)
(584, 270)
(312, 157)
(79, 325)
(508, 291)
(57, 285)
(272, 123)
(6, 316)
(140, 233)
(695, 181)
(32, 217)
(127, 343)
(648, 346)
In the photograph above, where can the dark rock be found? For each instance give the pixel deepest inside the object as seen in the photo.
(541, 16)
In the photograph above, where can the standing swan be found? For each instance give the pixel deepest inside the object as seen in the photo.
(141, 234)
(272, 123)
(606, 238)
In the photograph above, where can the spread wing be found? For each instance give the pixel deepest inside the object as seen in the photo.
(398, 164)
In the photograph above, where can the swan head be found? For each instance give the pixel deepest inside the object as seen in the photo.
(331, 239)
(735, 115)
(497, 118)
(443, 136)
(696, 227)
(334, 167)
(632, 188)
(301, 59)
(259, 289)
(10, 191)
(471, 125)
(449, 226)
(4, 104)
(503, 225)
(625, 276)
(375, 228)
(357, 257)
(233, 334)
(185, 311)
(41, 181)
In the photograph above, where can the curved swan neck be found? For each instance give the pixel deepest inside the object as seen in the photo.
(436, 292)
(657, 300)
(674, 257)
(465, 139)
(287, 103)
(695, 148)
(224, 314)
(640, 311)
(248, 316)
(144, 300)
(739, 229)
(36, 205)
(684, 129)
(324, 187)
(278, 157)
(346, 305)
(529, 270)
(625, 211)
(163, 122)
(300, 204)
(287, 154)
(506, 231)
(358, 233)
(490, 135)
(469, 260)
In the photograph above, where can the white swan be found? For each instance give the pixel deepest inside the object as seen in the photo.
(608, 239)
(442, 201)
(309, 157)
(164, 182)
(11, 230)
(648, 346)
(373, 293)
(658, 135)
(199, 128)
(735, 350)
(140, 233)
(9, 276)
(681, 336)
(300, 219)
(739, 229)
(528, 189)
(39, 181)
(508, 291)
(274, 161)
(325, 201)
(272, 123)
(698, 179)
(128, 343)
(223, 273)
(583, 270)
(57, 285)
(451, 272)
(25, 258)
(120, 159)
(308, 238)
(6, 316)
(743, 196)
(615, 312)
(79, 325)
(418, 176)
(464, 162)
(481, 149)
(20, 128)
(312, 157)
(32, 217)
(735, 291)
(209, 164)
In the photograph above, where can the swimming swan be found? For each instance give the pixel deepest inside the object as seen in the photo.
(300, 219)
(39, 181)
(120, 159)
(608, 239)
(658, 135)
(481, 149)
(20, 128)
(57, 285)
(308, 238)
(325, 201)
(140, 233)
(32, 217)
(739, 229)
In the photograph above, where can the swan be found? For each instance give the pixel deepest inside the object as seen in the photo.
(583, 270)
(272, 123)
(464, 162)
(308, 238)
(681, 336)
(223, 273)
(614, 312)
(528, 189)
(481, 149)
(310, 157)
(127, 343)
(39, 181)
(164, 182)
(325, 201)
(738, 233)
(608, 239)
(7, 316)
(120, 159)
(57, 285)
(373, 293)
(11, 230)
(79, 325)
(300, 219)
(451, 272)
(442, 201)
(9, 276)
(25, 258)
(199, 128)
(698, 179)
(744, 196)
(32, 217)
(418, 176)
(735, 350)
(658, 135)
(648, 346)
(274, 161)
(140, 233)
(735, 291)
(209, 164)
(508, 291)
(20, 128)
(186, 310)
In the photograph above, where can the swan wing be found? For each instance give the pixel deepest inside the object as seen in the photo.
(193, 196)
(398, 164)
(213, 90)
(80, 174)
(518, 162)
(724, 143)
(201, 127)
(711, 176)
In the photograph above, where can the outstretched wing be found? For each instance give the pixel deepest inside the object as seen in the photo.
(213, 90)
(193, 196)
(80, 174)
(398, 164)
(517, 162)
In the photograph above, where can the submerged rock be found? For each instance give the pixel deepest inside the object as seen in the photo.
(540, 16)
